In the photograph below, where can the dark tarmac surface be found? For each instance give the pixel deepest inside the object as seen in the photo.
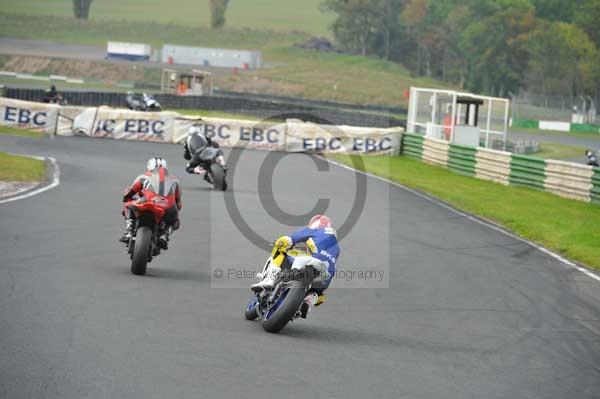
(469, 312)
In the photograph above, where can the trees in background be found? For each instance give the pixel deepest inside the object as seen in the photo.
(81, 8)
(364, 26)
(549, 46)
(492, 46)
(217, 13)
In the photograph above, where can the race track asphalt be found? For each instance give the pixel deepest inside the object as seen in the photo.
(469, 312)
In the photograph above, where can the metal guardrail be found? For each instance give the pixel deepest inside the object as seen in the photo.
(596, 185)
(566, 179)
(462, 159)
(311, 102)
(244, 106)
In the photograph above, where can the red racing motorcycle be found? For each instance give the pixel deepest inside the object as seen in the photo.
(148, 227)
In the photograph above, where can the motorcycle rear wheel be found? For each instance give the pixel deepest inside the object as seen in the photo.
(273, 323)
(141, 250)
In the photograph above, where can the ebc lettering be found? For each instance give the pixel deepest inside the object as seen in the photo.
(25, 116)
(143, 126)
(369, 144)
(258, 135)
(213, 131)
(322, 144)
(106, 125)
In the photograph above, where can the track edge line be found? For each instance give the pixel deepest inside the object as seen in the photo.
(54, 181)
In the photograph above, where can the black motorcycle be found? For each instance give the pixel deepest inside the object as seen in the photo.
(214, 166)
(142, 102)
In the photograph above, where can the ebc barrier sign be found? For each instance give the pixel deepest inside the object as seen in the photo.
(170, 127)
(125, 124)
(29, 115)
(240, 133)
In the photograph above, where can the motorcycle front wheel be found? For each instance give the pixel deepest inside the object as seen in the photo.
(218, 175)
(285, 307)
(251, 313)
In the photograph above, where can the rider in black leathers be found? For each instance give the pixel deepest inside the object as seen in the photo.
(193, 145)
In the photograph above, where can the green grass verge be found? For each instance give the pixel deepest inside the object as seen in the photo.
(41, 84)
(516, 130)
(214, 114)
(566, 226)
(278, 15)
(559, 151)
(13, 131)
(17, 168)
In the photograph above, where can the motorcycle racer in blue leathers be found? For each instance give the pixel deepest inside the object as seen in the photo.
(321, 241)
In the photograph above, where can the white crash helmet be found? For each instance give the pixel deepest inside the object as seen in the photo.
(195, 129)
(155, 163)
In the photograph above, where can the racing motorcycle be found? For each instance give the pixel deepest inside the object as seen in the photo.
(142, 102)
(214, 168)
(592, 157)
(148, 227)
(276, 307)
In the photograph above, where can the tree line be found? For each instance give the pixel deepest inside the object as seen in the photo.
(548, 47)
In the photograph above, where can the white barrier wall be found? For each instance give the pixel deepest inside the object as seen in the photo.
(569, 180)
(240, 133)
(125, 124)
(25, 114)
(171, 127)
(493, 165)
(435, 151)
(559, 126)
(303, 137)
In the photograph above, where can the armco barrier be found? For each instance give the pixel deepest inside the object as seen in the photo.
(412, 145)
(244, 106)
(311, 102)
(556, 125)
(527, 171)
(435, 151)
(584, 128)
(596, 185)
(569, 180)
(462, 159)
(566, 179)
(493, 165)
(525, 123)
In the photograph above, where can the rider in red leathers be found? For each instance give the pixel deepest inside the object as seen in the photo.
(155, 182)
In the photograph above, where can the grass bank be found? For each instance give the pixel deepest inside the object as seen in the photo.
(291, 71)
(565, 226)
(21, 169)
(517, 130)
(277, 15)
(13, 131)
(559, 151)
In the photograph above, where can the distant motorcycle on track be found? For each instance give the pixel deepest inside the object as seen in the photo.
(216, 169)
(206, 159)
(277, 307)
(142, 102)
(592, 157)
